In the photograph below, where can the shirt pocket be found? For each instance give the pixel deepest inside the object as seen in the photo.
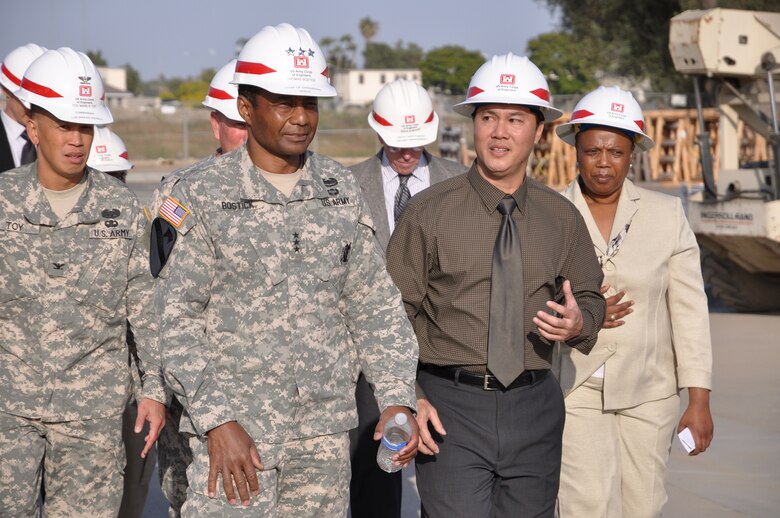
(102, 282)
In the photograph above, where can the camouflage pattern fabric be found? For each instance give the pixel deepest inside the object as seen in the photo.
(270, 307)
(67, 291)
(83, 466)
(173, 458)
(301, 478)
(174, 454)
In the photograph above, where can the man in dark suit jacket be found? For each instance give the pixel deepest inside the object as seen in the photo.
(405, 122)
(15, 148)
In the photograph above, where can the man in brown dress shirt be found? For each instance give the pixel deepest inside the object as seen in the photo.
(496, 417)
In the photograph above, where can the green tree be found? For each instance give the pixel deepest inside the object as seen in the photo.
(450, 68)
(192, 92)
(368, 28)
(382, 55)
(340, 52)
(96, 56)
(134, 83)
(379, 55)
(559, 56)
(632, 38)
(409, 55)
(207, 74)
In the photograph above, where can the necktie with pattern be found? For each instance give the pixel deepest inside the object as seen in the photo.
(506, 340)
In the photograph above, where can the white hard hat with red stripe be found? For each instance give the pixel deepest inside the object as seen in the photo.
(16, 63)
(402, 114)
(610, 107)
(66, 84)
(284, 60)
(108, 153)
(222, 93)
(509, 79)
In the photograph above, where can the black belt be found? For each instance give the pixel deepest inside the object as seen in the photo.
(486, 381)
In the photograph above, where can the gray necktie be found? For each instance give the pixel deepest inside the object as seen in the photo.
(402, 196)
(28, 151)
(506, 340)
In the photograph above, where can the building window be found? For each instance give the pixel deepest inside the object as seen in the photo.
(361, 79)
(382, 79)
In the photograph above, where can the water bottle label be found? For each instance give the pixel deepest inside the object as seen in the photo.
(393, 447)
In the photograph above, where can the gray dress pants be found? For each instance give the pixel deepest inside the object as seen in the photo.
(501, 456)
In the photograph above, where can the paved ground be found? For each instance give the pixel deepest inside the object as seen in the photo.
(739, 476)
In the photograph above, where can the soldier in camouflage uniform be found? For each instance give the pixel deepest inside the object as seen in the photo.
(72, 274)
(273, 295)
(230, 131)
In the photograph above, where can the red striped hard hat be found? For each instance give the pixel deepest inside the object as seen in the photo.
(610, 107)
(66, 84)
(509, 79)
(223, 94)
(15, 64)
(284, 60)
(402, 114)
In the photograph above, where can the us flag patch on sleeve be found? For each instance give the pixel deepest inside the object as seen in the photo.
(173, 212)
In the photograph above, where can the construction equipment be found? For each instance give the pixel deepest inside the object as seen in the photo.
(737, 218)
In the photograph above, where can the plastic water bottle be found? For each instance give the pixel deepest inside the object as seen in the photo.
(395, 437)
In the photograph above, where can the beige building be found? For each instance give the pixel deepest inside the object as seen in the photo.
(358, 87)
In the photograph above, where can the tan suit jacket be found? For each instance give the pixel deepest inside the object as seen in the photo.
(664, 344)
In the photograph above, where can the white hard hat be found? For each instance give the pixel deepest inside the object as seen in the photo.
(66, 84)
(403, 115)
(610, 107)
(509, 79)
(108, 153)
(223, 94)
(284, 60)
(16, 63)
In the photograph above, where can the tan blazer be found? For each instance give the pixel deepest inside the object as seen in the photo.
(664, 344)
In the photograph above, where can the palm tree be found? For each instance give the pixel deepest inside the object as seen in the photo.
(368, 28)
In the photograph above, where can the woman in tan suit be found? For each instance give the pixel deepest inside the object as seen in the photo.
(622, 400)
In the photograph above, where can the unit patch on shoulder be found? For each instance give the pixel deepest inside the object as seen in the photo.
(173, 212)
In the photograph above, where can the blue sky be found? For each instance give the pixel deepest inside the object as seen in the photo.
(178, 38)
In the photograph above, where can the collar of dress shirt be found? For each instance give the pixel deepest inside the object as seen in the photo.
(491, 195)
(389, 174)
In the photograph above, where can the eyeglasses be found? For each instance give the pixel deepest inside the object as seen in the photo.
(400, 149)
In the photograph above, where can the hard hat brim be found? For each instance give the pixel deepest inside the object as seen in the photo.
(467, 107)
(401, 138)
(568, 133)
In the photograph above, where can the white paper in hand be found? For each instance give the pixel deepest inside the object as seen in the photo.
(686, 439)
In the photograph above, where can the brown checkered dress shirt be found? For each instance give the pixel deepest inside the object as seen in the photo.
(440, 257)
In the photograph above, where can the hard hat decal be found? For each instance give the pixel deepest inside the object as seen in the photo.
(101, 149)
(216, 93)
(85, 90)
(43, 91)
(430, 118)
(474, 90)
(124, 155)
(381, 120)
(258, 69)
(507, 79)
(580, 114)
(10, 76)
(617, 107)
(640, 125)
(300, 62)
(409, 119)
(325, 72)
(541, 93)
